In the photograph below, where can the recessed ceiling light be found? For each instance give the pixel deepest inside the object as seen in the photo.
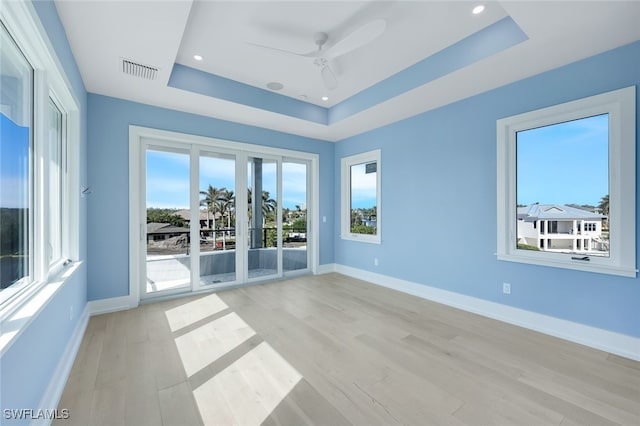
(325, 98)
(478, 9)
(274, 85)
(303, 97)
(197, 57)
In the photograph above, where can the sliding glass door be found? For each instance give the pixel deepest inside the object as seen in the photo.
(219, 217)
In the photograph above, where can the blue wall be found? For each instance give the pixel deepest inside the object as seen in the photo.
(108, 157)
(29, 363)
(439, 201)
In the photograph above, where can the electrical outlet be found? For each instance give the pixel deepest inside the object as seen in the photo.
(70, 312)
(375, 261)
(324, 219)
(506, 288)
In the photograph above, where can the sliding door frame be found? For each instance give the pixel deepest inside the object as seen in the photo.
(141, 137)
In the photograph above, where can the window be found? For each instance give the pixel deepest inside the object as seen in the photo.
(16, 176)
(361, 197)
(572, 168)
(39, 122)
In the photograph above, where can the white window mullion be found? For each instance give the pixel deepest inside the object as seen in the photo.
(242, 225)
(194, 229)
(279, 242)
(39, 237)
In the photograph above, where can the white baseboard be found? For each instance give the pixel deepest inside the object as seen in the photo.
(114, 304)
(53, 393)
(326, 268)
(608, 341)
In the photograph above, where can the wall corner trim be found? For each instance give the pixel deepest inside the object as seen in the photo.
(53, 392)
(597, 338)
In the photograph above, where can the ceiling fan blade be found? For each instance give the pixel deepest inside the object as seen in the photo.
(311, 54)
(329, 78)
(363, 35)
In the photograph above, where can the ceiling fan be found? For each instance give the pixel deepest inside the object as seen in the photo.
(322, 55)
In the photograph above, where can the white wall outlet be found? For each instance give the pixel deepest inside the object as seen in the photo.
(324, 218)
(70, 312)
(375, 261)
(506, 288)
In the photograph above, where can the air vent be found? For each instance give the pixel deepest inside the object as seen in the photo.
(139, 70)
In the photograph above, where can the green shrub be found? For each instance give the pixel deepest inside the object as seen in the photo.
(527, 247)
(363, 229)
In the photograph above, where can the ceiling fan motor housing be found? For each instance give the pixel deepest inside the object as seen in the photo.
(321, 39)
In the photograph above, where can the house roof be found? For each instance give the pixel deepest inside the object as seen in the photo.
(186, 214)
(555, 212)
(164, 228)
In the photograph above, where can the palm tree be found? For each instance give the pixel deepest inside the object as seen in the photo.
(228, 205)
(212, 198)
(268, 204)
(604, 205)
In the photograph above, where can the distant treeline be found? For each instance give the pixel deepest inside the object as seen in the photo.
(13, 227)
(164, 216)
(13, 245)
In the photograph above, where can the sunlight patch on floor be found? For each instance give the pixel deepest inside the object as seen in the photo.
(200, 347)
(194, 311)
(248, 390)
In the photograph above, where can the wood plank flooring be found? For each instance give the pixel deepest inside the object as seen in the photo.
(332, 350)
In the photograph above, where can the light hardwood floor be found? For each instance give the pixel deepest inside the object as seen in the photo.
(332, 350)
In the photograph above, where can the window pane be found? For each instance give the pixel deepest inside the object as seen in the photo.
(363, 179)
(562, 191)
(55, 183)
(168, 220)
(262, 212)
(217, 218)
(294, 213)
(16, 113)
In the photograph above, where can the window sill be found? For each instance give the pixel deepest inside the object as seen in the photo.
(364, 238)
(574, 265)
(30, 307)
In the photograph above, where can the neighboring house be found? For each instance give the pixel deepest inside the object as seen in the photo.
(559, 227)
(373, 223)
(164, 231)
(206, 218)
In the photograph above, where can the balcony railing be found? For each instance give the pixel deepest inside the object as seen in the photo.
(225, 239)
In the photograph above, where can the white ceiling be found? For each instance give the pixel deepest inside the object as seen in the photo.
(161, 33)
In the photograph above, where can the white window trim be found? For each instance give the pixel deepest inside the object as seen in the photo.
(20, 19)
(621, 107)
(345, 208)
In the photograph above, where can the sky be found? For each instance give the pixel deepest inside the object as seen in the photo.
(566, 163)
(168, 179)
(14, 168)
(363, 187)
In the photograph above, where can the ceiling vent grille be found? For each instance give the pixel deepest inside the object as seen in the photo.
(139, 70)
